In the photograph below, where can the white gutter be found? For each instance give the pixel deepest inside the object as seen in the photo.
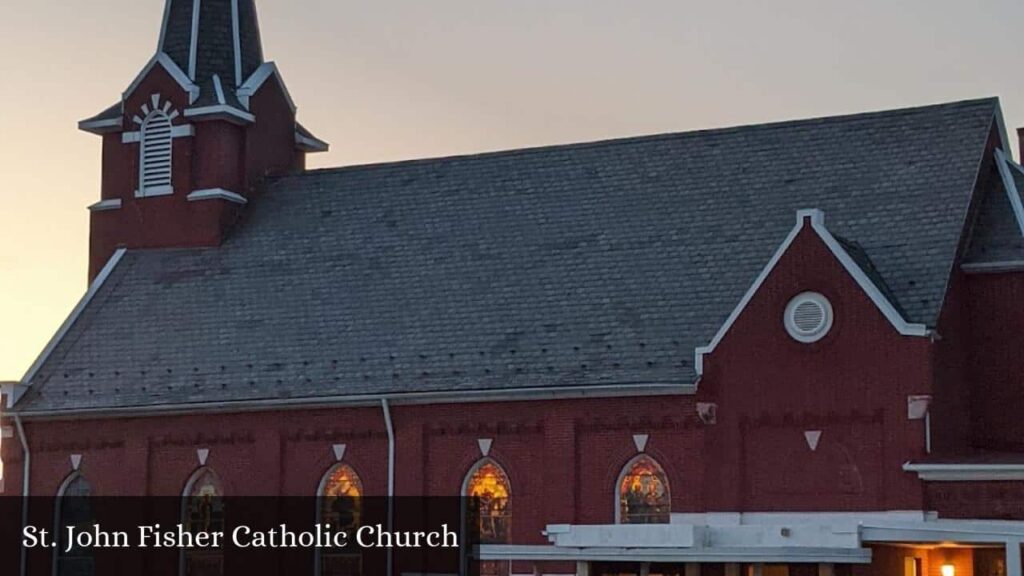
(439, 397)
(25, 476)
(391, 474)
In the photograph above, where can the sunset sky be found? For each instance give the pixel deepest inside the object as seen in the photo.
(398, 79)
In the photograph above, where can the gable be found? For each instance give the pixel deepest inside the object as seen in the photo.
(863, 273)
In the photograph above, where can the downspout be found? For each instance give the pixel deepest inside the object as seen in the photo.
(26, 467)
(391, 477)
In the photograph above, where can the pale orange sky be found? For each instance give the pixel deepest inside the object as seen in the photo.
(407, 78)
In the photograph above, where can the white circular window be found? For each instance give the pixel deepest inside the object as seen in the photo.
(808, 317)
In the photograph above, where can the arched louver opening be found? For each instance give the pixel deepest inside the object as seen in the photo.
(155, 155)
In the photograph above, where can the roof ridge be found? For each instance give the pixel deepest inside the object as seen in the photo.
(642, 138)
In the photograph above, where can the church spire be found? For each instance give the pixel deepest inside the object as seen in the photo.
(212, 37)
(193, 137)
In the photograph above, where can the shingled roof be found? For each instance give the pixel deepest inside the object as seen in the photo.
(576, 265)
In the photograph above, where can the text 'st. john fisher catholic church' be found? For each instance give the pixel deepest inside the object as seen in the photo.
(788, 349)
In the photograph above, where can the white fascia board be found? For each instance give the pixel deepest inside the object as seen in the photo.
(966, 472)
(311, 144)
(1005, 165)
(103, 205)
(251, 86)
(101, 126)
(817, 218)
(177, 73)
(94, 288)
(348, 401)
(217, 194)
(220, 110)
(748, 554)
(993, 267)
(237, 37)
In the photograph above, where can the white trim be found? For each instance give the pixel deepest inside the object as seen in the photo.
(194, 45)
(993, 267)
(163, 26)
(789, 317)
(155, 192)
(408, 398)
(101, 126)
(817, 218)
(14, 391)
(966, 472)
(217, 194)
(251, 86)
(177, 131)
(236, 29)
(1004, 163)
(26, 380)
(310, 144)
(218, 89)
(177, 73)
(220, 109)
(751, 554)
(103, 205)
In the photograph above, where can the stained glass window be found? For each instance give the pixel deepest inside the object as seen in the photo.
(203, 511)
(339, 498)
(643, 493)
(74, 509)
(489, 492)
(340, 509)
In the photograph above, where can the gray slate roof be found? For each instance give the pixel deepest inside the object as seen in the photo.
(596, 263)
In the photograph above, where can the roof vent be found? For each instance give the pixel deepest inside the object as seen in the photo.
(808, 317)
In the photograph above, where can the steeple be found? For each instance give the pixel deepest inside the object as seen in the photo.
(194, 134)
(208, 38)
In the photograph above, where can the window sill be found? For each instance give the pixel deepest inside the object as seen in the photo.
(152, 192)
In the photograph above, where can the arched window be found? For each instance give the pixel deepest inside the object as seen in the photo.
(488, 490)
(643, 493)
(339, 507)
(155, 155)
(73, 509)
(202, 510)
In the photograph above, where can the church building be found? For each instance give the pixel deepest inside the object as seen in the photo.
(788, 349)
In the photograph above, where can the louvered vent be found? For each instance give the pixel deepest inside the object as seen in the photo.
(155, 161)
(808, 317)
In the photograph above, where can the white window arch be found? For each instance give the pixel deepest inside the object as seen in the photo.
(156, 141)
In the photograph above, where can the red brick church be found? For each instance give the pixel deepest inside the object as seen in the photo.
(790, 349)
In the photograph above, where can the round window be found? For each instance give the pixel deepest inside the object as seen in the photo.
(808, 317)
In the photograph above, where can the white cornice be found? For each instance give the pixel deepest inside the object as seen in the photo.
(217, 194)
(103, 205)
(966, 472)
(252, 85)
(817, 220)
(308, 144)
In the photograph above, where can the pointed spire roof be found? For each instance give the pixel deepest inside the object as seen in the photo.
(212, 37)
